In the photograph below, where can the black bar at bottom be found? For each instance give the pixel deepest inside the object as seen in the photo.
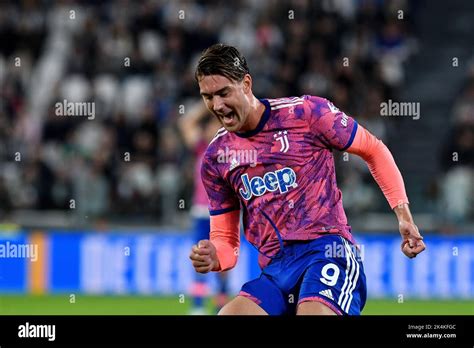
(134, 331)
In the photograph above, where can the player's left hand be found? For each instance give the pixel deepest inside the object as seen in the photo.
(412, 241)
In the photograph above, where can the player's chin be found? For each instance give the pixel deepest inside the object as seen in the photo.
(232, 128)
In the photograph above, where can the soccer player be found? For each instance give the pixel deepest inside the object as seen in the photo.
(197, 128)
(292, 207)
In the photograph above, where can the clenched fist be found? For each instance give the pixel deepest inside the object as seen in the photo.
(204, 257)
(412, 241)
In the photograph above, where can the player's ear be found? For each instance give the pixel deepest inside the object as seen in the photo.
(247, 83)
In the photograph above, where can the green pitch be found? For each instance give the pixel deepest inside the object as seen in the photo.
(149, 305)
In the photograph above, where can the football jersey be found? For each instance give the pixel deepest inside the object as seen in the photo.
(282, 173)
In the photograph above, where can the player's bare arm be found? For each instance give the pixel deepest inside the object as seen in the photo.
(189, 124)
(412, 241)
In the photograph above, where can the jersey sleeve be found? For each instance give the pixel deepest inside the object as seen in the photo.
(221, 196)
(332, 127)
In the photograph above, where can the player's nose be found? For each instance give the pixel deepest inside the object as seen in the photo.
(218, 105)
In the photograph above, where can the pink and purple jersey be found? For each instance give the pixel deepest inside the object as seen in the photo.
(282, 173)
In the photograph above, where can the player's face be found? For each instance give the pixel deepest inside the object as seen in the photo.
(228, 100)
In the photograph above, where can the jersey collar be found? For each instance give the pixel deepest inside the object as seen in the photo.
(261, 123)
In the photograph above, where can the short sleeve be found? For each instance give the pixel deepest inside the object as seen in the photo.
(221, 196)
(331, 126)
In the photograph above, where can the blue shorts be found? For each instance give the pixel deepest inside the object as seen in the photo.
(328, 270)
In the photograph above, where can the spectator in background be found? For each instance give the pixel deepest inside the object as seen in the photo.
(91, 190)
(457, 161)
(168, 176)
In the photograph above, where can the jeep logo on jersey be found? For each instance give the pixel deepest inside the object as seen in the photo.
(281, 180)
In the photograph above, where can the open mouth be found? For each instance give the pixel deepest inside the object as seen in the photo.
(229, 119)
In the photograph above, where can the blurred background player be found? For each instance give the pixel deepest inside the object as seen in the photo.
(198, 129)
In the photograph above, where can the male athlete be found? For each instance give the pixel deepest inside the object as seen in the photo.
(292, 207)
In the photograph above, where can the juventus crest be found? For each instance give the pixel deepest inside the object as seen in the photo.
(282, 136)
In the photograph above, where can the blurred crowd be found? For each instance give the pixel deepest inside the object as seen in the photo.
(455, 189)
(135, 61)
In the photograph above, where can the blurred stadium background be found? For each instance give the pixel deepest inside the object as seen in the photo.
(107, 199)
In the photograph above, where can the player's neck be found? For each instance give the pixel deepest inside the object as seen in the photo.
(257, 108)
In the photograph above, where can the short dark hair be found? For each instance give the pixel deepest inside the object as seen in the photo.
(224, 60)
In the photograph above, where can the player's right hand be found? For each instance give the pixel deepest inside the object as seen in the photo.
(204, 257)
(412, 241)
